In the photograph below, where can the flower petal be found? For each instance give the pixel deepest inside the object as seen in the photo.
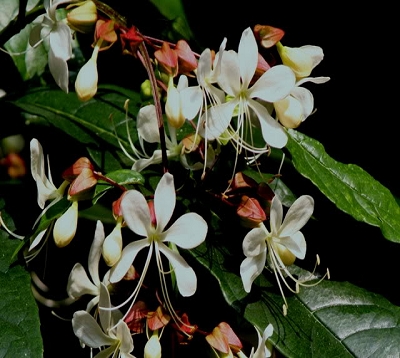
(296, 244)
(248, 56)
(251, 268)
(187, 232)
(60, 41)
(185, 276)
(95, 253)
(272, 131)
(191, 101)
(164, 201)
(229, 79)
(59, 70)
(128, 255)
(216, 120)
(147, 125)
(125, 337)
(297, 216)
(274, 85)
(254, 242)
(276, 215)
(79, 283)
(88, 331)
(136, 212)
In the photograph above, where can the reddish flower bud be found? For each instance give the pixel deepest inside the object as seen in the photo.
(268, 35)
(250, 212)
(75, 169)
(168, 59)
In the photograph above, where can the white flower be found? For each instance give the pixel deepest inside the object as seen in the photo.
(79, 283)
(237, 71)
(283, 243)
(60, 40)
(111, 331)
(262, 351)
(187, 232)
(45, 186)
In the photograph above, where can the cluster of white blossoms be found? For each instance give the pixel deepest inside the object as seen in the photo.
(231, 99)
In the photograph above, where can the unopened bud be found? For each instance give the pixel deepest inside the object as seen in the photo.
(112, 246)
(65, 226)
(83, 17)
(86, 81)
(173, 107)
(289, 111)
(152, 348)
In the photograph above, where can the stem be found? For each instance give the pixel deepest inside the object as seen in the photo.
(145, 58)
(109, 181)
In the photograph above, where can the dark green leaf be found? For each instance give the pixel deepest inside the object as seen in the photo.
(352, 189)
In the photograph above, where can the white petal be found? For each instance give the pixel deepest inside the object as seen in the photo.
(59, 70)
(141, 164)
(273, 133)
(248, 56)
(216, 120)
(88, 331)
(95, 253)
(305, 97)
(296, 244)
(60, 41)
(254, 242)
(274, 85)
(316, 80)
(191, 101)
(229, 79)
(185, 277)
(147, 124)
(251, 268)
(297, 216)
(204, 67)
(276, 215)
(315, 52)
(164, 201)
(79, 283)
(124, 335)
(128, 255)
(136, 212)
(187, 232)
(104, 315)
(37, 239)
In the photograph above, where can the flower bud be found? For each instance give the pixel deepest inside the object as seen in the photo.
(173, 107)
(301, 60)
(86, 81)
(112, 246)
(152, 348)
(289, 111)
(65, 226)
(83, 17)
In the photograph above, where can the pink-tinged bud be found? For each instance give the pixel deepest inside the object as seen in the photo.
(250, 212)
(168, 59)
(75, 169)
(152, 213)
(268, 35)
(186, 59)
(87, 79)
(83, 17)
(233, 340)
(158, 319)
(289, 112)
(65, 226)
(218, 340)
(152, 348)
(112, 246)
(83, 183)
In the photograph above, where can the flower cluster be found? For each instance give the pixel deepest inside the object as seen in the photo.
(224, 99)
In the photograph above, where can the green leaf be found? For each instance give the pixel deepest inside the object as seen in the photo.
(121, 177)
(20, 334)
(9, 10)
(174, 10)
(348, 186)
(19, 318)
(30, 61)
(331, 319)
